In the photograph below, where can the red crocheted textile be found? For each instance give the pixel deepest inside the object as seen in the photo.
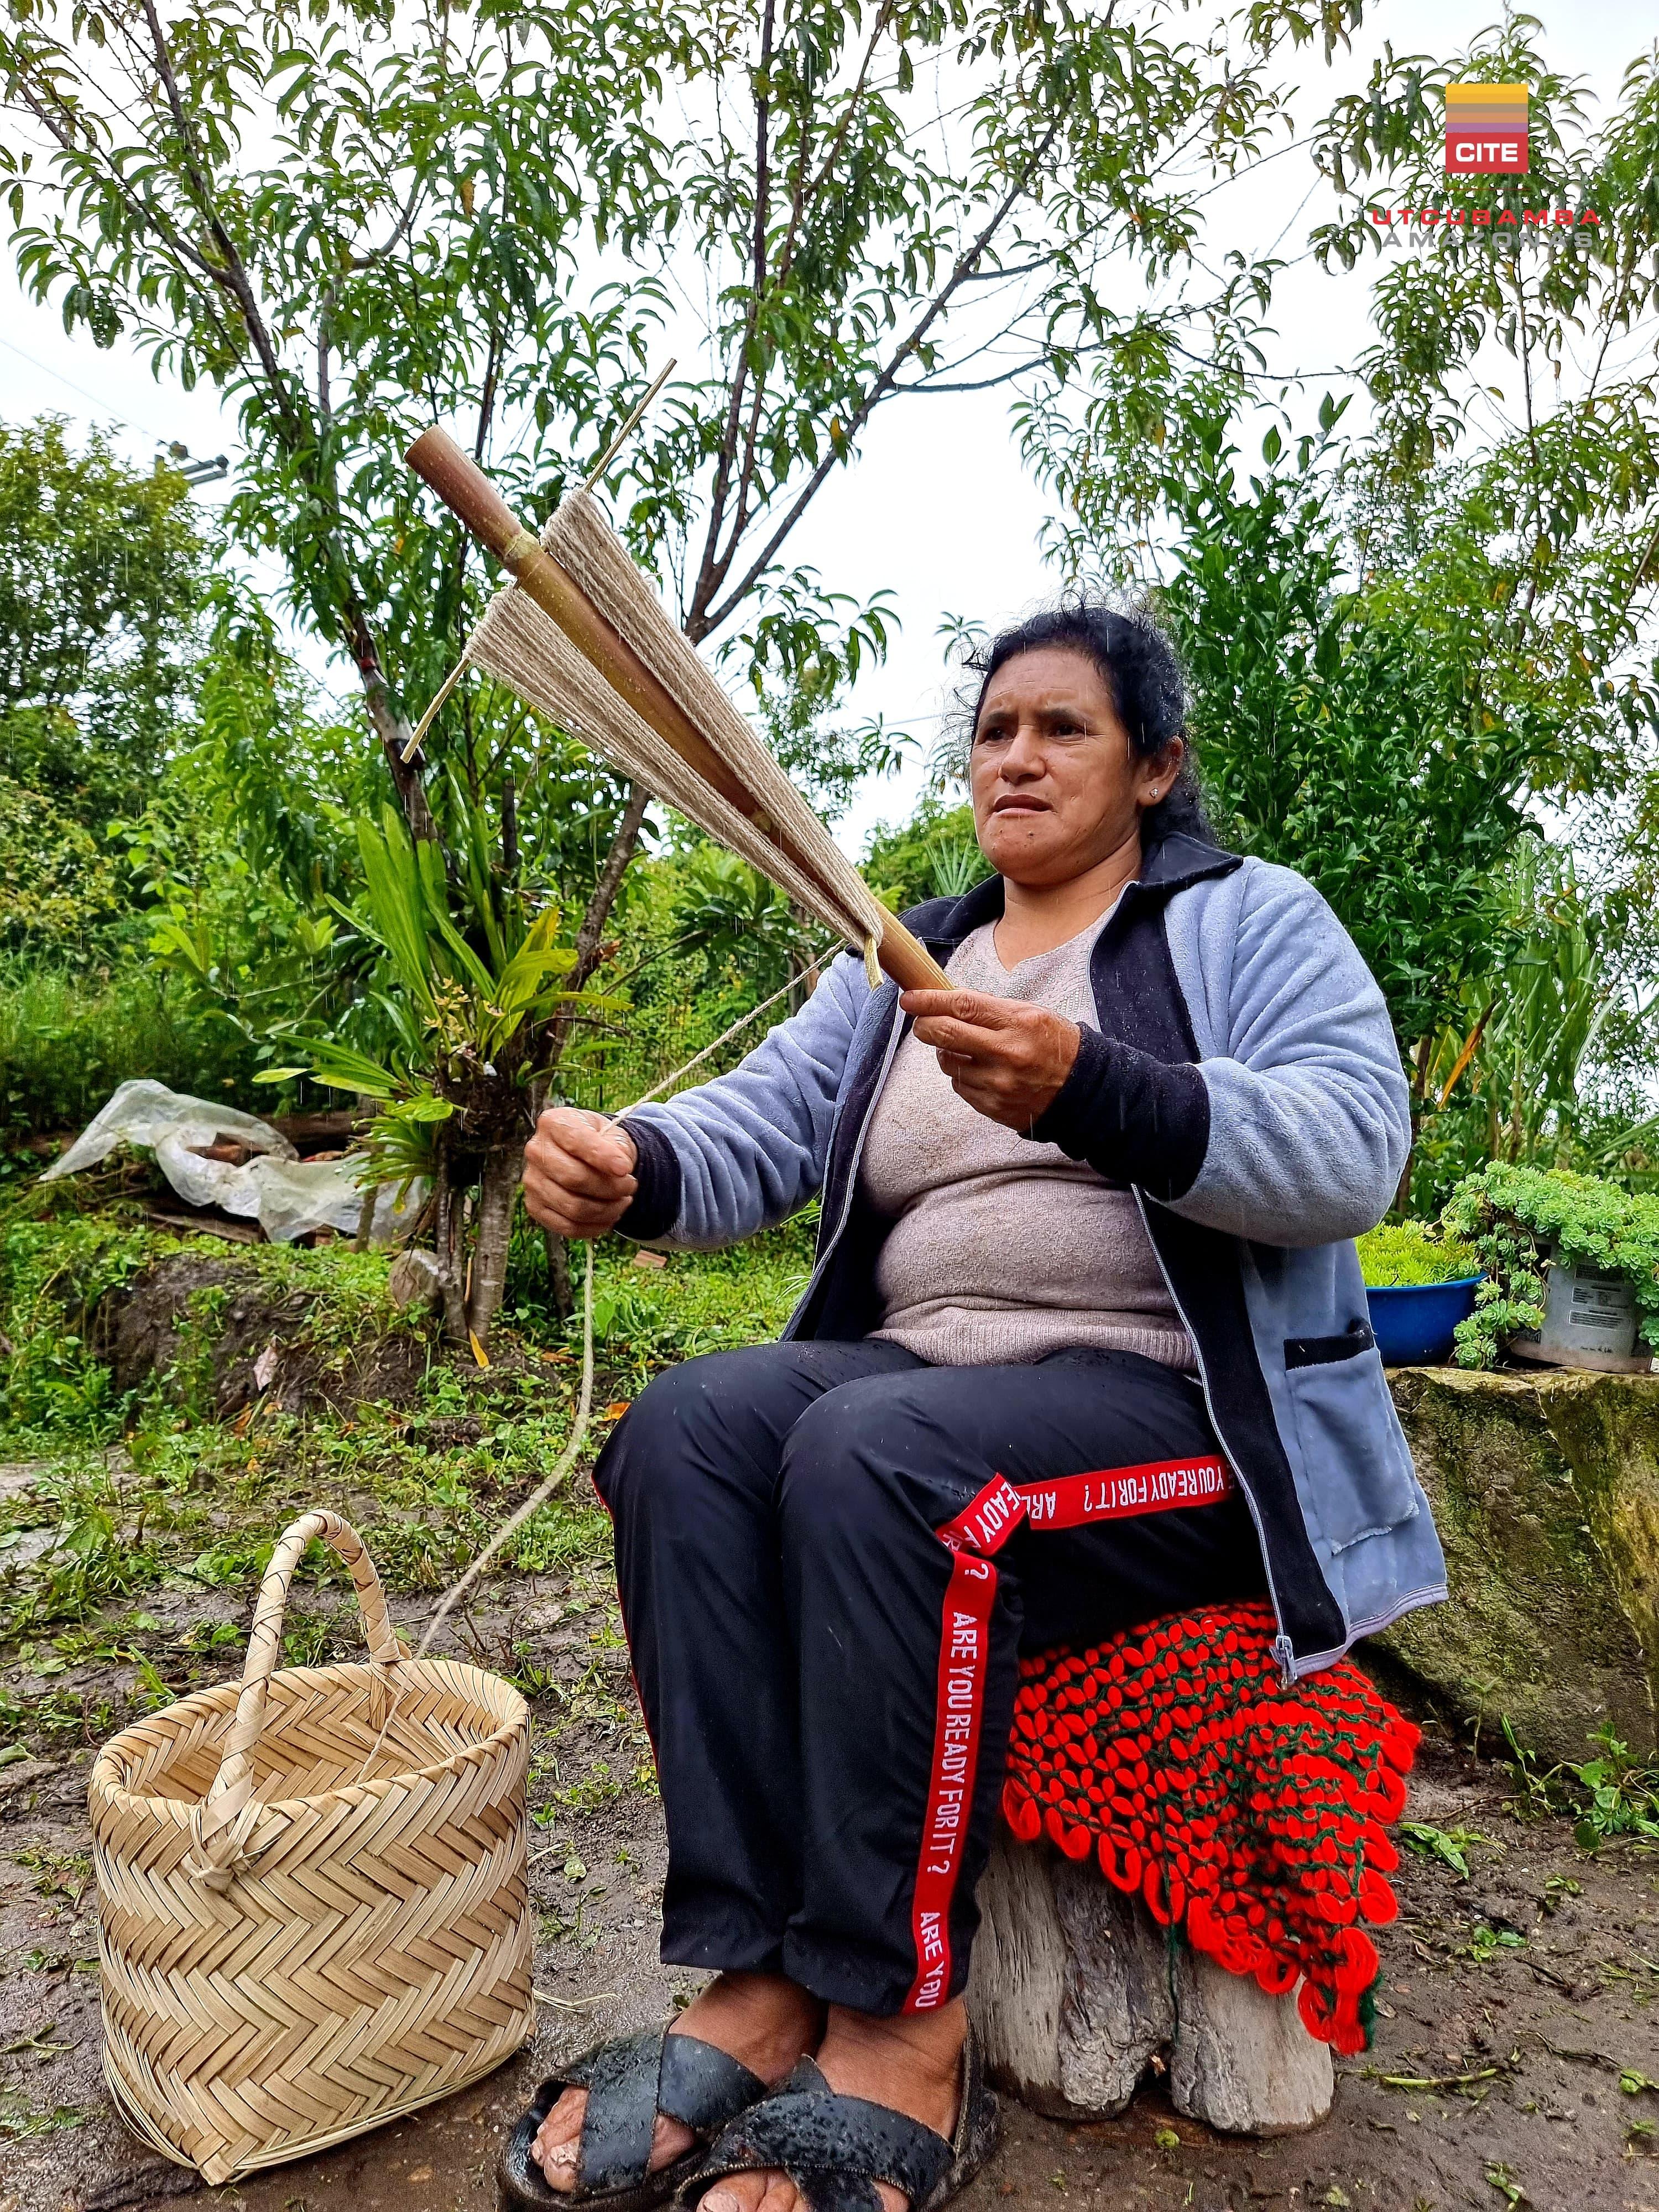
(1247, 1814)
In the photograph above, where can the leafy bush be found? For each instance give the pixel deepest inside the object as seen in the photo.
(934, 854)
(58, 884)
(1409, 1252)
(52, 1274)
(1517, 1218)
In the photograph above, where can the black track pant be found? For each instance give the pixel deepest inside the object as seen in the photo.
(831, 1556)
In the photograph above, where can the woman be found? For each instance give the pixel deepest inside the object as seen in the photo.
(1087, 1215)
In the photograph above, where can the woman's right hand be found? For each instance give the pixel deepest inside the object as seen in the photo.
(579, 1172)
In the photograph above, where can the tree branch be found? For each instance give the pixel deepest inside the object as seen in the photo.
(233, 275)
(710, 572)
(885, 383)
(591, 935)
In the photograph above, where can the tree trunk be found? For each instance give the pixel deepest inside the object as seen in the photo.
(390, 728)
(497, 1196)
(558, 1275)
(443, 1226)
(591, 935)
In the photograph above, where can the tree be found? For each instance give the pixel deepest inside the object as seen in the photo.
(352, 221)
(1484, 567)
(102, 582)
(1332, 736)
(1525, 512)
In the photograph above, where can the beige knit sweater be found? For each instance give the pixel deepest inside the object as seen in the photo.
(1002, 1249)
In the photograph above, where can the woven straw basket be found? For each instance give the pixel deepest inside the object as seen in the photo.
(313, 1892)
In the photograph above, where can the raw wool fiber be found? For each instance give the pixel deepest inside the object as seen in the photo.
(314, 1911)
(1246, 1813)
(524, 648)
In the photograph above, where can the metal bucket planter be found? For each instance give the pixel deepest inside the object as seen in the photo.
(1590, 1320)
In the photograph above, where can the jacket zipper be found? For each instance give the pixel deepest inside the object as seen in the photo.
(1283, 1652)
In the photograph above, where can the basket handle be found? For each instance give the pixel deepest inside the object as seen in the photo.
(221, 1823)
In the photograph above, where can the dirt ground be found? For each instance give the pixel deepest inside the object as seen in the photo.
(1515, 2059)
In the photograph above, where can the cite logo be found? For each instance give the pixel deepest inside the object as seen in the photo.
(1486, 130)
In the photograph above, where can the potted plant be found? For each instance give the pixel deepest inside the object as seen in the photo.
(1571, 1267)
(1420, 1285)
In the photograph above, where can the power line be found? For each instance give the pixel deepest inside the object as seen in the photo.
(149, 429)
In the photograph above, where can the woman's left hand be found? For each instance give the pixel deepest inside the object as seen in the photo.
(1006, 1058)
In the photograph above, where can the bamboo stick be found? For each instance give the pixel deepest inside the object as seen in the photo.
(468, 492)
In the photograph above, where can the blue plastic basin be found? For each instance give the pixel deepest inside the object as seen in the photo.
(1413, 1322)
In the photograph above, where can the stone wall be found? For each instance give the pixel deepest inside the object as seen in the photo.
(1546, 1490)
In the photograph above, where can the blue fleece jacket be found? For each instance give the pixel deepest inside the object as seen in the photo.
(1245, 1083)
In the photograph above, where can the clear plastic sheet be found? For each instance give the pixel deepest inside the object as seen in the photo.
(288, 1197)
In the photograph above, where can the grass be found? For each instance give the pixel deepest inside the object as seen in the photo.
(159, 1519)
(68, 1035)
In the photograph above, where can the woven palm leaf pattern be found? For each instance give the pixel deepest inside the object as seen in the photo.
(355, 1942)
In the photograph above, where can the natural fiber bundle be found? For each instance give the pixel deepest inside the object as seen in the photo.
(580, 635)
(314, 1914)
(521, 646)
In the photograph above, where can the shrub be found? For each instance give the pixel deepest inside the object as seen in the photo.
(68, 1037)
(1407, 1252)
(1519, 1218)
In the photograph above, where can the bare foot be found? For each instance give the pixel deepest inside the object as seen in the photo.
(762, 2021)
(912, 2065)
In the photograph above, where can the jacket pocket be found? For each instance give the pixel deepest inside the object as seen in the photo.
(1358, 1465)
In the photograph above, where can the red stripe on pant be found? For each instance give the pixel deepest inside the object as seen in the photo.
(961, 1660)
(1116, 1493)
(964, 1651)
(983, 1527)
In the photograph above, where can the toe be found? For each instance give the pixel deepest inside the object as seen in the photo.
(738, 2192)
(670, 2139)
(556, 2147)
(782, 2194)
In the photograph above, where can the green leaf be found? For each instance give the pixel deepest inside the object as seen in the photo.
(343, 1069)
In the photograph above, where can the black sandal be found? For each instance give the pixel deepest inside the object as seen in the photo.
(628, 2083)
(836, 2148)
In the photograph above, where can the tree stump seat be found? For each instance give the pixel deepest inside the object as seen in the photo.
(1190, 1852)
(1077, 1995)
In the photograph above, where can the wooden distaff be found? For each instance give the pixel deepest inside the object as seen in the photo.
(468, 492)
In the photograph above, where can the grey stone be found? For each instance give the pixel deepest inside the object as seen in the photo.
(1546, 1490)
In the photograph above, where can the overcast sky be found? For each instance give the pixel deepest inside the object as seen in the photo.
(936, 507)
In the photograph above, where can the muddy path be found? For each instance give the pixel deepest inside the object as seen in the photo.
(1515, 2059)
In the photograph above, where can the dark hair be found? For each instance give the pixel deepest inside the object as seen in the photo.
(1148, 690)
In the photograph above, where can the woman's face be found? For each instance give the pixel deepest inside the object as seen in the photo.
(1057, 787)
